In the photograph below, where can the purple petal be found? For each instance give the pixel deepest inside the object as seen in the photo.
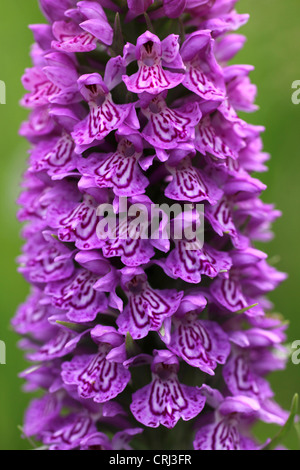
(78, 297)
(201, 343)
(165, 402)
(223, 435)
(71, 38)
(191, 184)
(95, 377)
(147, 310)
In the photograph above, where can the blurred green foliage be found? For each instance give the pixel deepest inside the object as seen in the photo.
(273, 48)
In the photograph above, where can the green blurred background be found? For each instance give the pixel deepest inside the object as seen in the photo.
(273, 47)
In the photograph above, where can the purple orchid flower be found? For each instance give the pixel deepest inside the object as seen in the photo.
(200, 343)
(105, 116)
(146, 308)
(203, 76)
(164, 401)
(119, 170)
(169, 128)
(87, 25)
(225, 424)
(99, 376)
(56, 82)
(151, 54)
(129, 131)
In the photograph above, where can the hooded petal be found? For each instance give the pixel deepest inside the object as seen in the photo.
(71, 38)
(203, 75)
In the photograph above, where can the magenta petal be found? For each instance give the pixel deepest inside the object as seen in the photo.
(170, 128)
(68, 432)
(140, 216)
(196, 81)
(80, 224)
(147, 310)
(191, 264)
(137, 7)
(165, 402)
(78, 297)
(201, 343)
(40, 413)
(95, 377)
(70, 38)
(174, 8)
(153, 79)
(100, 29)
(190, 184)
(117, 171)
(100, 122)
(241, 378)
(223, 435)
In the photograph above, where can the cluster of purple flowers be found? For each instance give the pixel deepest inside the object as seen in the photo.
(136, 99)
